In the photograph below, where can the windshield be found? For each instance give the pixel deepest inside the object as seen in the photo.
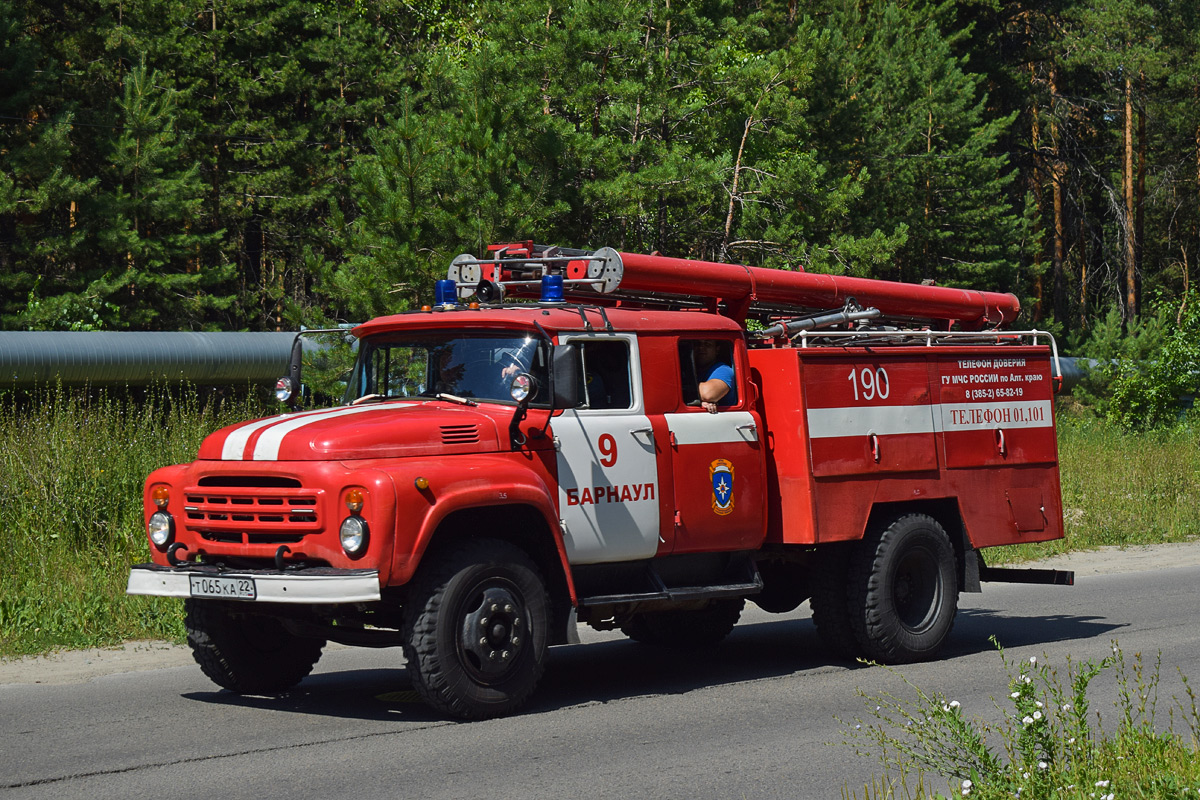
(477, 367)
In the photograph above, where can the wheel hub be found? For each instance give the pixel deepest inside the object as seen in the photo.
(492, 633)
(916, 590)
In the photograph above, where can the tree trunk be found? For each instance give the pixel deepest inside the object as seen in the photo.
(1058, 176)
(1131, 300)
(1083, 272)
(1035, 184)
(1140, 190)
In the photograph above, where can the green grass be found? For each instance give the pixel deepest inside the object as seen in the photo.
(1121, 488)
(1047, 743)
(72, 465)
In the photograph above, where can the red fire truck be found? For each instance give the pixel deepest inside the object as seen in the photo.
(541, 447)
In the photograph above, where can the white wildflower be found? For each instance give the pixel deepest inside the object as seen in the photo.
(1028, 679)
(1101, 784)
(1038, 703)
(1037, 715)
(967, 784)
(1025, 775)
(1015, 695)
(955, 704)
(1071, 740)
(1042, 765)
(1027, 721)
(1033, 660)
(1066, 706)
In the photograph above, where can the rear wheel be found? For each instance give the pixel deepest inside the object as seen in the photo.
(686, 629)
(904, 589)
(830, 601)
(247, 653)
(475, 630)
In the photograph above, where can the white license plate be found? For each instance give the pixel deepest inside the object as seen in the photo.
(230, 588)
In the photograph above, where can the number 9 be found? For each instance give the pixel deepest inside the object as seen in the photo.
(608, 449)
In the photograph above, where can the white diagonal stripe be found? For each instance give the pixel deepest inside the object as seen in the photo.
(267, 446)
(235, 443)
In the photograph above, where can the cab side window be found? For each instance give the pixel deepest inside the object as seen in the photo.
(604, 379)
(707, 371)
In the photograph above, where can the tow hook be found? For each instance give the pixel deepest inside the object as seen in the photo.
(172, 550)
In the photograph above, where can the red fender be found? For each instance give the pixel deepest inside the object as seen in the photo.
(471, 482)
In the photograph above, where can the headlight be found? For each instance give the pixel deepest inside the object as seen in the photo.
(161, 528)
(354, 536)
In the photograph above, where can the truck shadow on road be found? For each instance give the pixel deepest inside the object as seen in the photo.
(606, 671)
(610, 671)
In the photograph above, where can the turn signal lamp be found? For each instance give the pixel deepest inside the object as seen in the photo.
(354, 500)
(161, 495)
(421, 483)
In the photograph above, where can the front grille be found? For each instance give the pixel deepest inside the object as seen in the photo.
(460, 434)
(240, 512)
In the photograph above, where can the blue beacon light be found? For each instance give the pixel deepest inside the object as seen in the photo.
(552, 289)
(445, 293)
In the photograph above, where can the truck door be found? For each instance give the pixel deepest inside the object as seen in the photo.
(608, 484)
(717, 460)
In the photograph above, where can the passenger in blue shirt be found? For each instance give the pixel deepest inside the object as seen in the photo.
(718, 387)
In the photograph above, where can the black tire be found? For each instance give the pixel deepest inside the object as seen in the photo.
(830, 601)
(904, 589)
(685, 630)
(476, 628)
(244, 652)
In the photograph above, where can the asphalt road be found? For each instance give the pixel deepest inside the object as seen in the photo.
(753, 718)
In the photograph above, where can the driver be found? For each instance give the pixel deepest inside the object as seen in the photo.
(476, 370)
(718, 387)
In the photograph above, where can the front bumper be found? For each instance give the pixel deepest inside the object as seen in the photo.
(316, 585)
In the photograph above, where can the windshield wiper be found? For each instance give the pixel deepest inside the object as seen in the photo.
(453, 398)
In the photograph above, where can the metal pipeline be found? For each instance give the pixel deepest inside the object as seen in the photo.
(107, 358)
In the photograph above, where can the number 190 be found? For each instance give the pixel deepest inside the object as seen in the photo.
(874, 383)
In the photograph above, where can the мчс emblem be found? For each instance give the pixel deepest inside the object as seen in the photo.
(721, 473)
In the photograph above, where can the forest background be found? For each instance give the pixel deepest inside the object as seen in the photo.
(205, 165)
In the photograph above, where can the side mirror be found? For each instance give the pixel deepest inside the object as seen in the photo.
(287, 388)
(564, 377)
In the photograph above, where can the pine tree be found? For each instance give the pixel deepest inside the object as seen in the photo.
(898, 103)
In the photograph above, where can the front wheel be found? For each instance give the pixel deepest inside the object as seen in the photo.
(904, 591)
(476, 630)
(245, 652)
